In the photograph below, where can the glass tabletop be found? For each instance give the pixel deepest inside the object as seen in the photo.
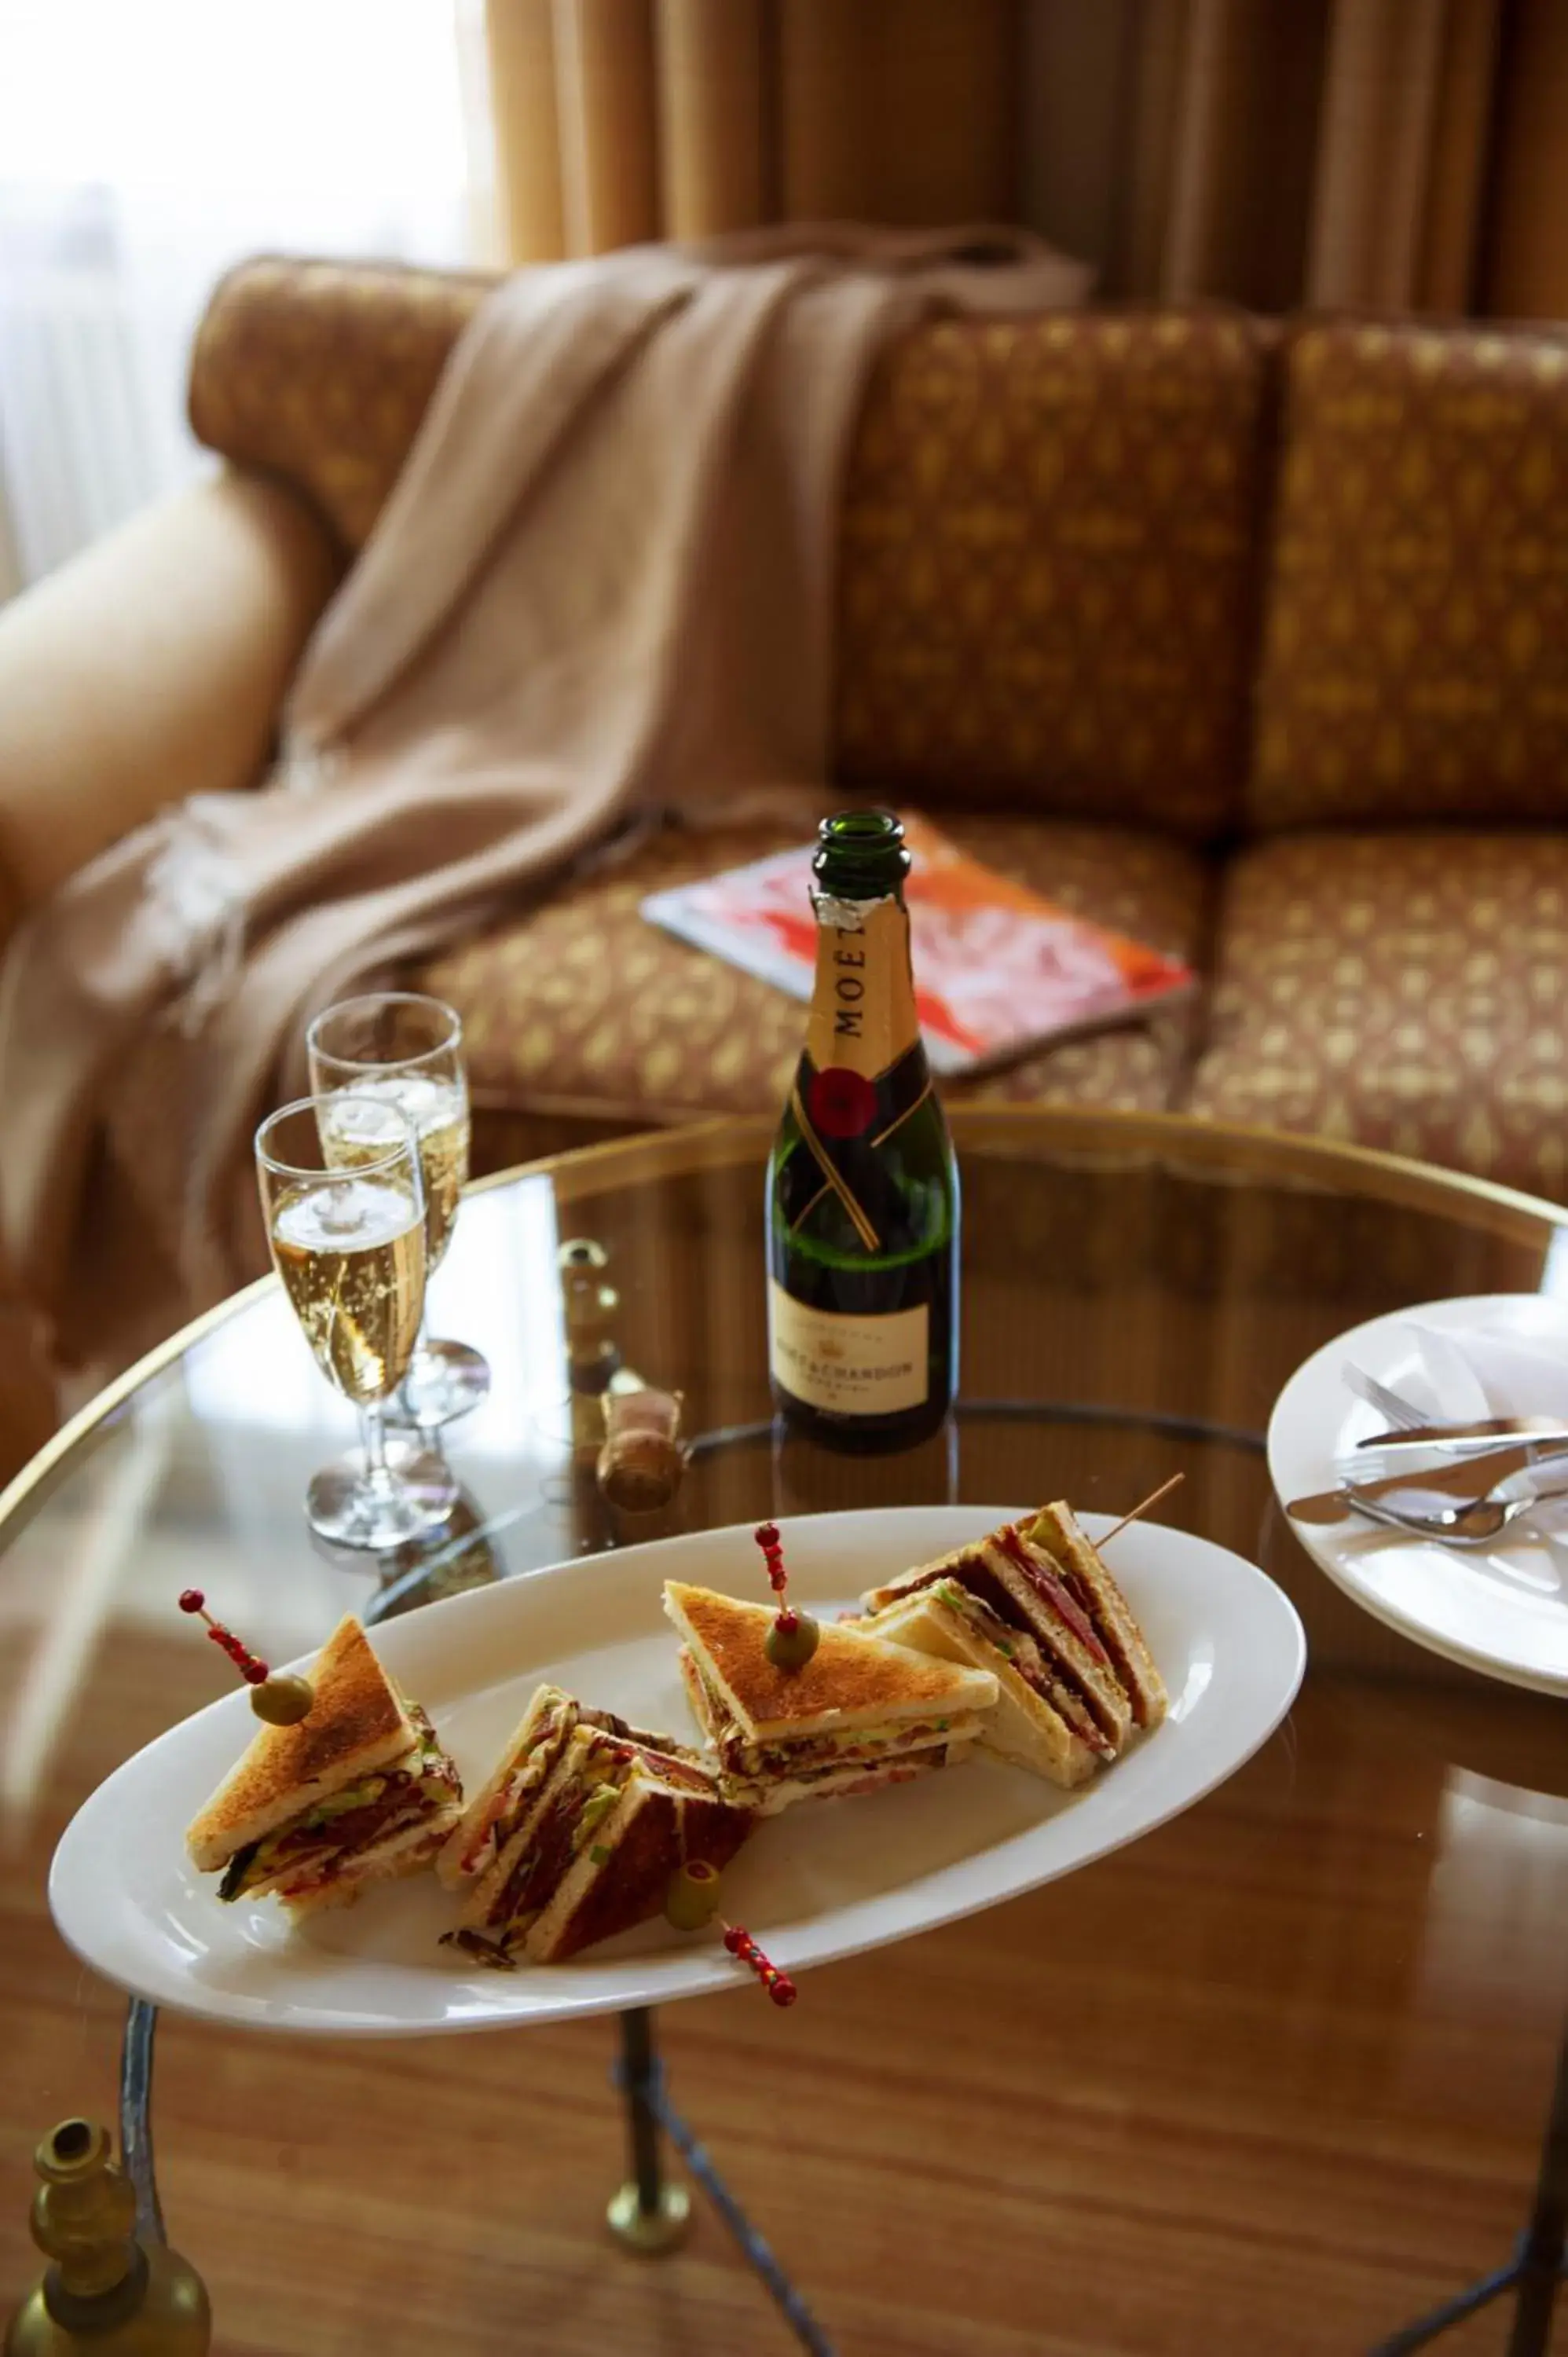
(1274, 2079)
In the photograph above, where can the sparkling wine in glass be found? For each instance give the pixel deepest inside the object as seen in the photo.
(349, 1244)
(393, 1056)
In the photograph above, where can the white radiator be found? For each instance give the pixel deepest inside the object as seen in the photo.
(89, 424)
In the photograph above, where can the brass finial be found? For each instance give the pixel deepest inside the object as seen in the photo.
(590, 1306)
(103, 2292)
(84, 2212)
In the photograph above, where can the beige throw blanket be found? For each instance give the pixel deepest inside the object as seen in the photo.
(602, 586)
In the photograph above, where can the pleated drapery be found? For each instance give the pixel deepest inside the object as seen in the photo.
(1385, 154)
(624, 118)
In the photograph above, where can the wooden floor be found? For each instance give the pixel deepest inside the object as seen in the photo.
(1270, 2082)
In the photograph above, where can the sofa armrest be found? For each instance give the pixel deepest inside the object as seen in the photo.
(150, 667)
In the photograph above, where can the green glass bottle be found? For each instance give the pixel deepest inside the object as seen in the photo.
(863, 1196)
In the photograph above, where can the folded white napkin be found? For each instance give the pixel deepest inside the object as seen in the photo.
(1464, 1371)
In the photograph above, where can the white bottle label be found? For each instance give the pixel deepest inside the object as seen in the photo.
(849, 1366)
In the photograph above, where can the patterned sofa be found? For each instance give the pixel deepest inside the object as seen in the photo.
(1249, 639)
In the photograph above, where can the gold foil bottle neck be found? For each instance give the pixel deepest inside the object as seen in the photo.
(863, 1014)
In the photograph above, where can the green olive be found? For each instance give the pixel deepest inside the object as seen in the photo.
(789, 1645)
(281, 1702)
(691, 1897)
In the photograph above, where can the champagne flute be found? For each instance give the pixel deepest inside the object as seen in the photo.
(403, 1052)
(349, 1247)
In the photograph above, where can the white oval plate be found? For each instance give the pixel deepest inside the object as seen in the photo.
(823, 1880)
(1502, 1610)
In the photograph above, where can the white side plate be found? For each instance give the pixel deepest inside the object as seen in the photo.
(823, 1880)
(1502, 1610)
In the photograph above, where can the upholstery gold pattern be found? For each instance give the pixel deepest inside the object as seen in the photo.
(1047, 553)
(321, 371)
(582, 1005)
(1047, 546)
(1406, 989)
(1416, 663)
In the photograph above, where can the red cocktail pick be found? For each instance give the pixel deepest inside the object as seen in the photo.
(741, 1945)
(793, 1640)
(282, 1701)
(767, 1539)
(252, 1668)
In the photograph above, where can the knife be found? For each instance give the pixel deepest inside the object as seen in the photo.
(1431, 1436)
(1472, 1476)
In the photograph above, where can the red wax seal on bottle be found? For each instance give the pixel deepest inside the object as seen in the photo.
(841, 1104)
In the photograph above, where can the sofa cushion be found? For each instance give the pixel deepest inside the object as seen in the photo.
(322, 371)
(1415, 654)
(581, 1007)
(1047, 556)
(1406, 990)
(1049, 534)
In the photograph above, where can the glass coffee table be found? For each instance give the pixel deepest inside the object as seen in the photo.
(1273, 2079)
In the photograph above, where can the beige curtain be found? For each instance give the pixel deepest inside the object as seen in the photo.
(623, 118)
(1382, 154)
(1281, 152)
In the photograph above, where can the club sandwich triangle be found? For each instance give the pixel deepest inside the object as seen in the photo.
(849, 1668)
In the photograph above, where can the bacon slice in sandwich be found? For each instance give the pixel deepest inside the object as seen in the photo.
(498, 1810)
(1074, 1672)
(1055, 1531)
(357, 1791)
(860, 1714)
(579, 1831)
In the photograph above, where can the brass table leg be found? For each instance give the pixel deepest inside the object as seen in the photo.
(1537, 2268)
(643, 2213)
(649, 2214)
(136, 2116)
(1540, 2261)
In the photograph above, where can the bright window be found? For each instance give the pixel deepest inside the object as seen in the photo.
(144, 146)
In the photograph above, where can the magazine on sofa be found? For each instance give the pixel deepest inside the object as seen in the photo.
(998, 969)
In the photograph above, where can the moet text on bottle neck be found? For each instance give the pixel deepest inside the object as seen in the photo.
(863, 1000)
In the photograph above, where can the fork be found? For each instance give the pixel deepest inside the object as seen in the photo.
(1398, 1411)
(1473, 1525)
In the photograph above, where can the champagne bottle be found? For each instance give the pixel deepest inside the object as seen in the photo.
(863, 1196)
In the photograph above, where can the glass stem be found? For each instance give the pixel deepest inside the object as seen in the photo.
(373, 1439)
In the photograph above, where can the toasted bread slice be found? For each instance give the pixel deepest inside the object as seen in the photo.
(356, 1723)
(771, 1777)
(852, 1679)
(1022, 1585)
(1021, 1726)
(550, 1866)
(486, 1894)
(1040, 1602)
(1022, 1581)
(622, 1875)
(1056, 1531)
(924, 1574)
(700, 1695)
(503, 1804)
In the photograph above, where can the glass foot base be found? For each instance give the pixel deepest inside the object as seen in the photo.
(357, 1509)
(444, 1379)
